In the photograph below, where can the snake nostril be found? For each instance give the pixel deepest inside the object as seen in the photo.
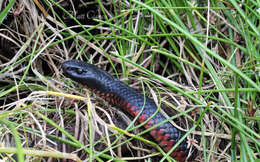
(65, 66)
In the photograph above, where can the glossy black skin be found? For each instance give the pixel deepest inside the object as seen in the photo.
(107, 87)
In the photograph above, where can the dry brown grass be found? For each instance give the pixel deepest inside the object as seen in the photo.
(48, 117)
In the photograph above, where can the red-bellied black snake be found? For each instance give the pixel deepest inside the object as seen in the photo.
(118, 93)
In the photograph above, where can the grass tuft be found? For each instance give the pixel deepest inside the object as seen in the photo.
(198, 60)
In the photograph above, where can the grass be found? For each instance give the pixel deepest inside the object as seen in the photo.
(199, 58)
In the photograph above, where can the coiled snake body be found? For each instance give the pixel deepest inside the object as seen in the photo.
(118, 93)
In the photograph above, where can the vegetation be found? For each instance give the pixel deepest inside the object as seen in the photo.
(198, 58)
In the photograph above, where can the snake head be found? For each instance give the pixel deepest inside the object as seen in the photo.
(81, 72)
(86, 74)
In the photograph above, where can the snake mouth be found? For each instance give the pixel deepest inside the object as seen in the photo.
(64, 67)
(69, 65)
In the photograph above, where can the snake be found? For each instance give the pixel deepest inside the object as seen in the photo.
(117, 93)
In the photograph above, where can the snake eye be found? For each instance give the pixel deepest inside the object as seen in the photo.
(81, 71)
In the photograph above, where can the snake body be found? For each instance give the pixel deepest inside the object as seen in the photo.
(118, 93)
